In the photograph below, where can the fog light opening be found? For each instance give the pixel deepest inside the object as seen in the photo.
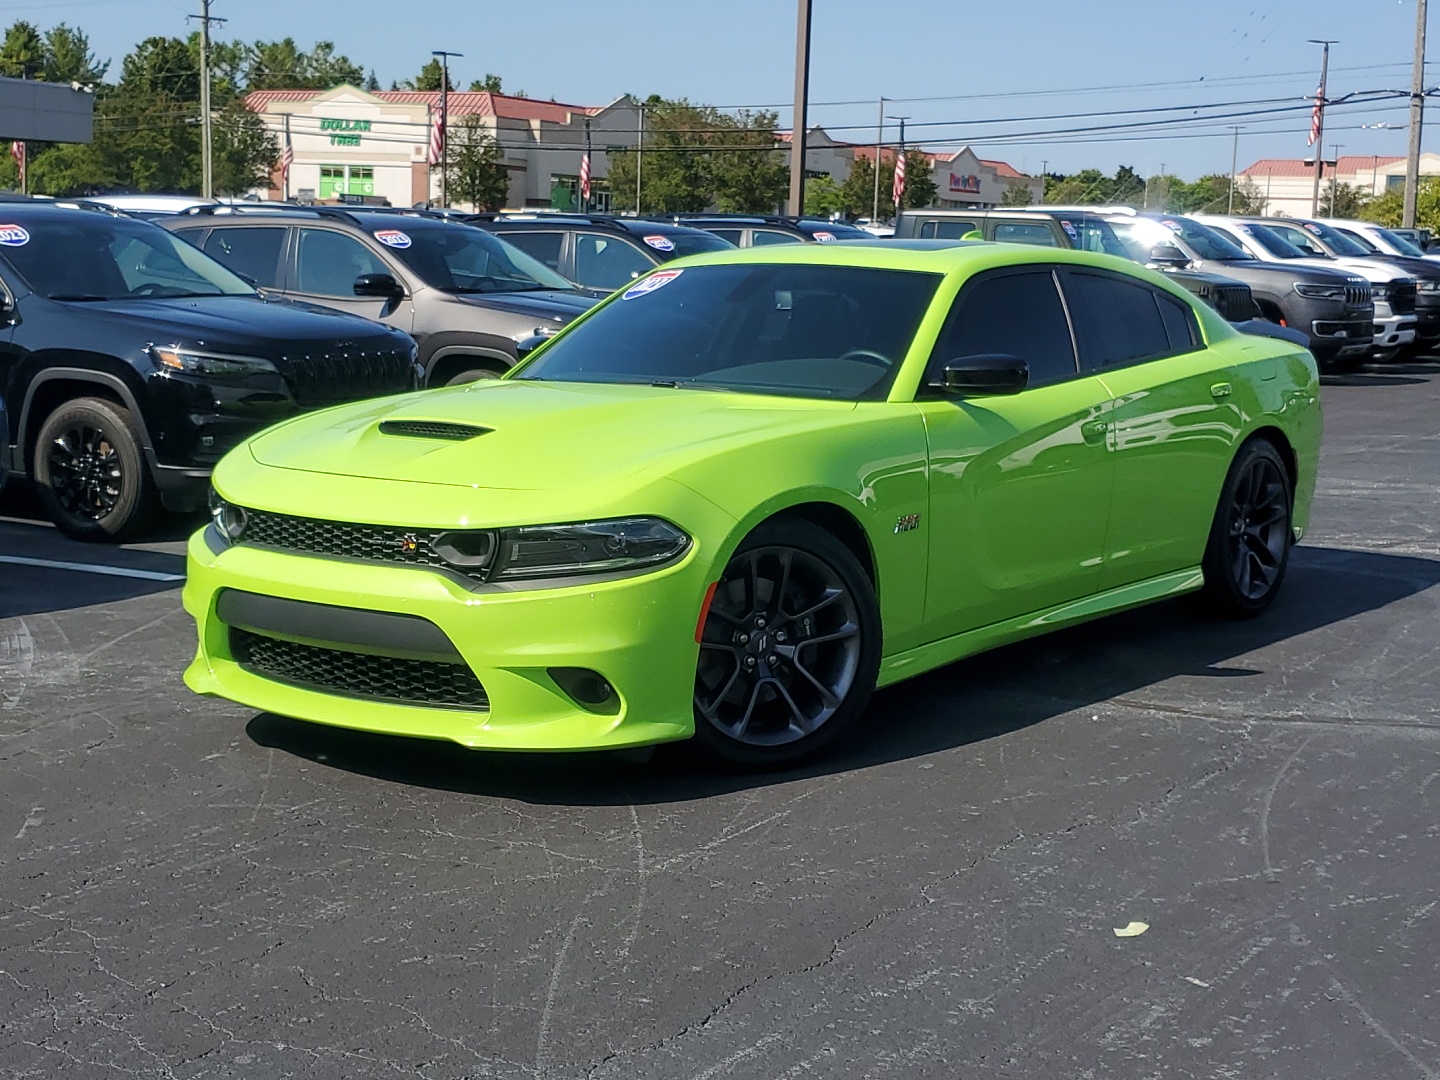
(588, 689)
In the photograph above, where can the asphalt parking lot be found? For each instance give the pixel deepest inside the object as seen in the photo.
(190, 890)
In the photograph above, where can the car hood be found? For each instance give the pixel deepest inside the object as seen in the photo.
(552, 304)
(247, 324)
(1373, 271)
(534, 435)
(1281, 274)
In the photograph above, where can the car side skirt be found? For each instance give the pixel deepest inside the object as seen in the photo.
(912, 662)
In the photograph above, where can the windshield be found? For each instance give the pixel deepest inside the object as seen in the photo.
(1206, 242)
(1273, 242)
(692, 242)
(464, 259)
(1336, 241)
(795, 330)
(833, 230)
(1307, 244)
(1141, 236)
(1400, 243)
(1092, 234)
(84, 255)
(1365, 245)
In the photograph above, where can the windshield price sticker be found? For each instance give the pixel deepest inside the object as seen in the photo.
(13, 236)
(657, 280)
(1173, 226)
(824, 237)
(1070, 230)
(660, 243)
(393, 238)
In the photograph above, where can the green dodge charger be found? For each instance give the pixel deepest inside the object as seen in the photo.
(736, 497)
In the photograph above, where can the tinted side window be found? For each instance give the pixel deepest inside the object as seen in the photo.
(1018, 233)
(541, 246)
(1017, 314)
(764, 237)
(1118, 322)
(946, 230)
(253, 252)
(329, 262)
(1179, 324)
(606, 262)
(731, 235)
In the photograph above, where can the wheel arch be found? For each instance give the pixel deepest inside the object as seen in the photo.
(1276, 437)
(825, 512)
(52, 387)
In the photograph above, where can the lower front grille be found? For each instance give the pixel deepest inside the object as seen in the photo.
(428, 683)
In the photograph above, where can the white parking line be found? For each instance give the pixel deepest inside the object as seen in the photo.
(91, 568)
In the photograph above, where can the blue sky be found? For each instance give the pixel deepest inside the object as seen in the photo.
(994, 61)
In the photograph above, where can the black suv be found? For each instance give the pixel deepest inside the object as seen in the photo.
(598, 251)
(131, 362)
(469, 299)
(758, 230)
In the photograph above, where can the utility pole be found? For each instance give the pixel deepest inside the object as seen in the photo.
(1334, 177)
(639, 150)
(1317, 123)
(445, 118)
(879, 139)
(1417, 120)
(207, 161)
(1235, 130)
(802, 93)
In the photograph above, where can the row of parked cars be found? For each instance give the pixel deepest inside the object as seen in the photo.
(140, 352)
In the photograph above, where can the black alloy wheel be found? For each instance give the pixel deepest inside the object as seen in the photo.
(91, 471)
(1250, 539)
(790, 648)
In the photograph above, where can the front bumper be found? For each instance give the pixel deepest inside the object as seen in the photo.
(636, 633)
(1393, 331)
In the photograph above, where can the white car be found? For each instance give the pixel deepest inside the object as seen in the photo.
(1277, 240)
(1387, 240)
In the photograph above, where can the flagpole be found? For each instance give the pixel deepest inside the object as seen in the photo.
(1317, 126)
(585, 185)
(289, 158)
(444, 117)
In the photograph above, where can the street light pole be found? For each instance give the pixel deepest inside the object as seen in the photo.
(1234, 153)
(1417, 119)
(1334, 177)
(445, 118)
(802, 92)
(1317, 132)
(879, 138)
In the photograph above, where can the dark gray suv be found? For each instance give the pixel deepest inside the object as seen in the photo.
(470, 300)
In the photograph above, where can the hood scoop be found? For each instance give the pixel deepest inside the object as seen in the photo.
(432, 429)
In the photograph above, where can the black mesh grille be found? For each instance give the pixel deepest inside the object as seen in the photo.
(429, 683)
(347, 371)
(343, 540)
(1402, 299)
(1233, 302)
(431, 429)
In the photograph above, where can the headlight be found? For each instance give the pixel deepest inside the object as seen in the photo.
(1380, 292)
(214, 365)
(595, 547)
(1429, 287)
(1320, 292)
(230, 520)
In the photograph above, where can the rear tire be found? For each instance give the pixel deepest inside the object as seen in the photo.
(1250, 537)
(91, 473)
(790, 649)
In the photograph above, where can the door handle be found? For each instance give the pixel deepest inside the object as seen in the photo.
(1093, 431)
(1220, 390)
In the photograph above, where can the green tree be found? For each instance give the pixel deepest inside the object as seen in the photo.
(1343, 200)
(1211, 195)
(490, 83)
(475, 171)
(22, 53)
(822, 196)
(748, 173)
(857, 193)
(283, 65)
(68, 57)
(324, 69)
(1017, 195)
(430, 78)
(920, 190)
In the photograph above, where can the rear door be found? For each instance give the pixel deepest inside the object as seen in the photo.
(1021, 485)
(1174, 425)
(324, 267)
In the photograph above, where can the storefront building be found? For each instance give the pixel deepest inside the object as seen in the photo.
(351, 145)
(1287, 185)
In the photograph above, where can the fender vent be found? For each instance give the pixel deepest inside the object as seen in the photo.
(432, 429)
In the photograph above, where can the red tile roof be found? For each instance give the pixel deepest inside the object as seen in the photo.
(1348, 164)
(460, 103)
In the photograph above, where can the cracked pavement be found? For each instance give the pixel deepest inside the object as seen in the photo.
(190, 890)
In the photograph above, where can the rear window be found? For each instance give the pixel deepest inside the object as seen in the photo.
(797, 330)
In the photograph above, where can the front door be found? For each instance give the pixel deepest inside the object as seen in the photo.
(1175, 421)
(1020, 486)
(327, 262)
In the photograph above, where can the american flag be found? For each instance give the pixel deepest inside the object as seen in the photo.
(437, 140)
(899, 187)
(1315, 115)
(585, 177)
(17, 151)
(287, 158)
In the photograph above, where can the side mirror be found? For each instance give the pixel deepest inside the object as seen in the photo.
(1168, 255)
(985, 375)
(382, 286)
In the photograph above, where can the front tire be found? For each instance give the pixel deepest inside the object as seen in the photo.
(790, 649)
(91, 472)
(472, 375)
(1250, 537)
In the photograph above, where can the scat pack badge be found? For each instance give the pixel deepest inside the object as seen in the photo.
(14, 236)
(657, 280)
(908, 523)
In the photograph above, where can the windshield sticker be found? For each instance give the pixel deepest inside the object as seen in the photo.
(660, 243)
(13, 236)
(1173, 226)
(657, 280)
(393, 238)
(1312, 227)
(824, 237)
(1070, 230)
